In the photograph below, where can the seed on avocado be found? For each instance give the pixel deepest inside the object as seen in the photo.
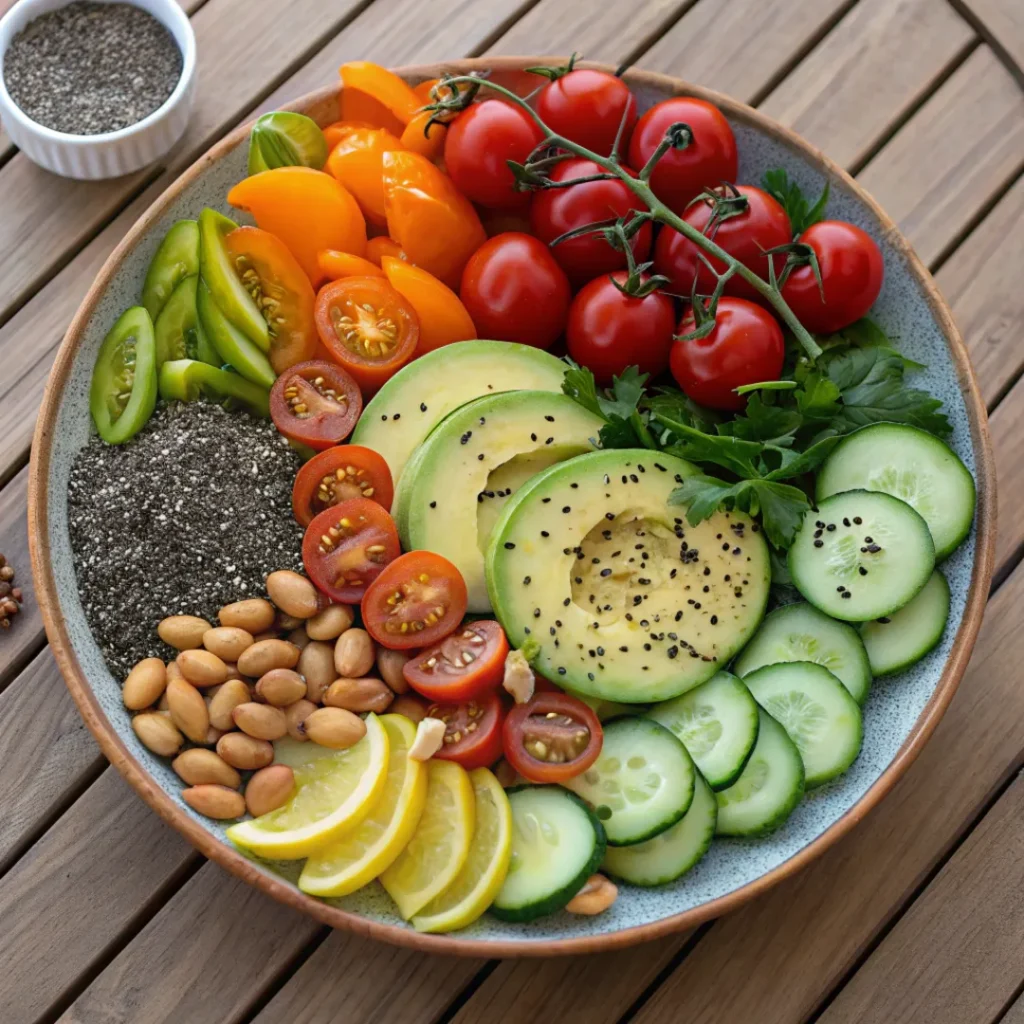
(423, 406)
(526, 581)
(545, 500)
(509, 545)
(566, 508)
(819, 543)
(609, 516)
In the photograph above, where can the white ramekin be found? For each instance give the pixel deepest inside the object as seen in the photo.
(110, 154)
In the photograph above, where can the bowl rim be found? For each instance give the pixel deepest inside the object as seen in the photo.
(231, 859)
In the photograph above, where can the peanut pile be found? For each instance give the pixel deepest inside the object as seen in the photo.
(10, 595)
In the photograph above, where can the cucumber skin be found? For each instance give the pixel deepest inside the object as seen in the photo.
(557, 900)
(892, 669)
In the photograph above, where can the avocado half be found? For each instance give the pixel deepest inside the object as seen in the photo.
(421, 394)
(455, 487)
(625, 599)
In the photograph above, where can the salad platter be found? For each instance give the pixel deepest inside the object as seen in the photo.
(512, 526)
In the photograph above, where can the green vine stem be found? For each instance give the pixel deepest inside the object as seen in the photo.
(677, 137)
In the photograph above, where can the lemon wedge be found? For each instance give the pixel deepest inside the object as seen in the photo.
(439, 847)
(360, 856)
(334, 791)
(483, 874)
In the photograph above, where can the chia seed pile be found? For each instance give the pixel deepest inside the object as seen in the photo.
(89, 68)
(188, 516)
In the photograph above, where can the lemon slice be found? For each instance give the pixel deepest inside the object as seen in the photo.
(359, 857)
(440, 845)
(335, 790)
(483, 874)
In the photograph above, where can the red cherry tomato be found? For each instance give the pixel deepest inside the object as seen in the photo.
(851, 277)
(420, 598)
(467, 664)
(555, 211)
(472, 734)
(480, 141)
(586, 106)
(337, 474)
(552, 737)
(609, 330)
(746, 346)
(745, 236)
(515, 291)
(681, 174)
(347, 546)
(315, 403)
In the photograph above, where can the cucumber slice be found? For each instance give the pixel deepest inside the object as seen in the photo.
(816, 711)
(768, 789)
(912, 465)
(717, 723)
(642, 783)
(799, 632)
(861, 555)
(557, 844)
(906, 636)
(664, 858)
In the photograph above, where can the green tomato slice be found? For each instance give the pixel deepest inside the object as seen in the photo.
(124, 381)
(189, 380)
(176, 258)
(178, 332)
(230, 344)
(218, 271)
(286, 139)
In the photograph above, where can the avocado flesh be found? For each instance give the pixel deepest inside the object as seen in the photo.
(627, 601)
(421, 394)
(460, 479)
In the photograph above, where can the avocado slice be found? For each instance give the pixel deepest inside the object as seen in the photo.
(626, 600)
(421, 394)
(455, 487)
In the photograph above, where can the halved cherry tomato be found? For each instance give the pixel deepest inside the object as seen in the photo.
(334, 133)
(383, 85)
(443, 317)
(381, 246)
(432, 221)
(552, 737)
(357, 161)
(367, 327)
(337, 265)
(473, 729)
(467, 664)
(359, 106)
(338, 474)
(273, 277)
(417, 601)
(308, 210)
(316, 404)
(347, 546)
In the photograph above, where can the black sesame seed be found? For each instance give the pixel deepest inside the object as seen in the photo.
(423, 406)
(526, 581)
(509, 545)
(606, 572)
(566, 508)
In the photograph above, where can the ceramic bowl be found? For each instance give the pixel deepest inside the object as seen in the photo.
(899, 716)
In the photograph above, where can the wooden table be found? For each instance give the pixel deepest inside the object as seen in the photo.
(107, 915)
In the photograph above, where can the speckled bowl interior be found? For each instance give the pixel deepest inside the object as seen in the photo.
(892, 710)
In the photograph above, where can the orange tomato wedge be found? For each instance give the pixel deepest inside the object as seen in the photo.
(337, 265)
(334, 133)
(383, 85)
(418, 138)
(433, 222)
(381, 246)
(443, 317)
(308, 210)
(357, 161)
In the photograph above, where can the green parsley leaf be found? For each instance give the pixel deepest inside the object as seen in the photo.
(732, 453)
(818, 399)
(769, 424)
(798, 463)
(671, 402)
(579, 384)
(626, 391)
(802, 214)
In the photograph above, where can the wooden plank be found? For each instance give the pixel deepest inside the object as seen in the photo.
(88, 879)
(958, 954)
(18, 643)
(45, 757)
(1015, 1014)
(739, 47)
(878, 61)
(981, 280)
(217, 945)
(1004, 21)
(963, 146)
(1007, 426)
(775, 959)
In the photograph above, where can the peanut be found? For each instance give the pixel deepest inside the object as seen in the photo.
(293, 593)
(214, 801)
(244, 752)
(596, 896)
(316, 665)
(334, 728)
(183, 632)
(390, 665)
(354, 653)
(225, 700)
(145, 684)
(158, 733)
(295, 714)
(359, 695)
(285, 623)
(212, 736)
(429, 739)
(268, 634)
(299, 637)
(198, 767)
(281, 687)
(260, 721)
(201, 668)
(264, 655)
(411, 707)
(254, 615)
(227, 642)
(188, 710)
(330, 623)
(161, 704)
(233, 672)
(269, 788)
